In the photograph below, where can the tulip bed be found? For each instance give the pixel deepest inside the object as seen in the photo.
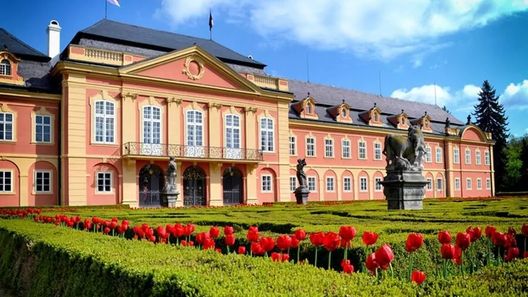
(409, 263)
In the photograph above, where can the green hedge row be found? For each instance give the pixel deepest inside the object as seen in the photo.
(46, 260)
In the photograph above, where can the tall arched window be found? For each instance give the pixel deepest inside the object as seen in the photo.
(152, 130)
(232, 136)
(194, 133)
(5, 67)
(266, 134)
(104, 121)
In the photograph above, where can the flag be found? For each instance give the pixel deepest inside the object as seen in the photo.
(114, 2)
(211, 22)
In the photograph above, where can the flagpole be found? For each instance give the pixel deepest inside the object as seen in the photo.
(106, 8)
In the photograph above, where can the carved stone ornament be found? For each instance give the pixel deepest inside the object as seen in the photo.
(193, 68)
(405, 153)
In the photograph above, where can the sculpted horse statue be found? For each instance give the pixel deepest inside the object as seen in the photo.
(405, 153)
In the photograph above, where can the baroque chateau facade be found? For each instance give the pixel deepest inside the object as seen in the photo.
(96, 123)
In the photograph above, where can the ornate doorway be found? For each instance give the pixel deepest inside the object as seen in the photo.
(151, 181)
(194, 186)
(233, 186)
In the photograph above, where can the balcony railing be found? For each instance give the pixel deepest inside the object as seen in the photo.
(178, 151)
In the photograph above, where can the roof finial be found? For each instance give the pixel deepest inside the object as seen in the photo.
(468, 120)
(402, 111)
(308, 94)
(425, 114)
(447, 122)
(374, 104)
(343, 101)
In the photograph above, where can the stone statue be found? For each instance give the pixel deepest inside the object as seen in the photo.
(405, 153)
(301, 176)
(170, 191)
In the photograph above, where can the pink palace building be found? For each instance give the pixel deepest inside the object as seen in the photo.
(96, 123)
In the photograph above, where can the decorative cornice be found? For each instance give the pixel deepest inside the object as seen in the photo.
(188, 71)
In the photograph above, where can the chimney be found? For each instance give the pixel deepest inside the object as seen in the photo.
(53, 39)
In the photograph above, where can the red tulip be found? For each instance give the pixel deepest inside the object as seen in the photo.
(511, 253)
(257, 249)
(152, 238)
(178, 231)
(188, 229)
(474, 233)
(202, 237)
(317, 239)
(331, 241)
(524, 230)
(267, 243)
(414, 242)
(229, 230)
(511, 231)
(294, 242)
(444, 237)
(498, 238)
(229, 240)
(525, 255)
(208, 244)
(214, 232)
(447, 251)
(463, 240)
(371, 263)
(369, 238)
(183, 242)
(489, 231)
(457, 256)
(241, 250)
(300, 234)
(384, 256)
(162, 232)
(418, 277)
(275, 257)
(347, 233)
(285, 257)
(284, 242)
(347, 267)
(88, 225)
(113, 224)
(509, 240)
(106, 230)
(253, 233)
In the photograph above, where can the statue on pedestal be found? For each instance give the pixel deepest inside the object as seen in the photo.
(301, 193)
(170, 191)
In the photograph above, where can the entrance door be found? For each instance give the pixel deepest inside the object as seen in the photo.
(233, 187)
(193, 186)
(151, 182)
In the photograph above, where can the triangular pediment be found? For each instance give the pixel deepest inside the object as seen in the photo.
(190, 66)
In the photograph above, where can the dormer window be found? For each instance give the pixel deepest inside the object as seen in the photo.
(308, 108)
(372, 116)
(343, 113)
(376, 117)
(5, 67)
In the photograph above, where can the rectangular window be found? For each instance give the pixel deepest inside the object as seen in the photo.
(439, 184)
(362, 150)
(293, 183)
(43, 128)
(457, 184)
(429, 185)
(428, 157)
(479, 184)
(438, 154)
(310, 146)
(266, 183)
(329, 184)
(104, 121)
(478, 160)
(377, 186)
(377, 151)
(456, 155)
(329, 148)
(346, 148)
(347, 184)
(468, 184)
(266, 135)
(42, 181)
(311, 183)
(363, 185)
(468, 156)
(6, 181)
(293, 146)
(104, 182)
(6, 126)
(486, 157)
(232, 131)
(488, 184)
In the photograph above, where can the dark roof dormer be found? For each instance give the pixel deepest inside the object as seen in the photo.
(305, 108)
(372, 116)
(340, 113)
(424, 122)
(9, 69)
(400, 121)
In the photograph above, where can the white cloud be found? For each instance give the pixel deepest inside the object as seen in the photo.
(516, 95)
(426, 94)
(382, 29)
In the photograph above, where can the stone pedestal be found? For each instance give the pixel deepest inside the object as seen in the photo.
(404, 189)
(301, 195)
(169, 199)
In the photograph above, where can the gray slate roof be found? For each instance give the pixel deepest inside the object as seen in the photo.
(125, 34)
(19, 48)
(327, 96)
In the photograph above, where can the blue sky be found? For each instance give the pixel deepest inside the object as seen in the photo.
(415, 48)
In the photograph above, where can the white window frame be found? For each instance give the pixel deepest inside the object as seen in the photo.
(479, 183)
(377, 151)
(6, 67)
(439, 184)
(194, 143)
(488, 183)
(478, 157)
(347, 184)
(469, 183)
(267, 134)
(456, 155)
(293, 145)
(310, 145)
(346, 149)
(330, 184)
(266, 183)
(428, 154)
(3, 183)
(429, 185)
(312, 183)
(329, 148)
(102, 176)
(362, 150)
(457, 184)
(5, 124)
(363, 184)
(43, 127)
(438, 155)
(377, 186)
(232, 135)
(487, 157)
(36, 181)
(467, 156)
(293, 183)
(107, 137)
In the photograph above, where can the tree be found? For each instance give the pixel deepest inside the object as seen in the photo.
(523, 183)
(490, 117)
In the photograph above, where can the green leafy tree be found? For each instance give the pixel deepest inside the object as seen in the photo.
(513, 164)
(523, 183)
(490, 117)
